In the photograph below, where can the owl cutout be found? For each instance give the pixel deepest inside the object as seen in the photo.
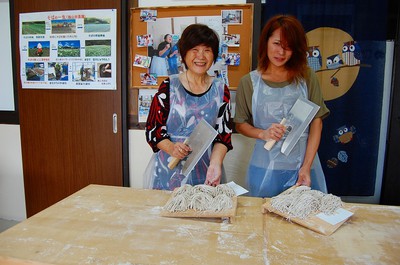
(314, 58)
(344, 134)
(351, 53)
(334, 61)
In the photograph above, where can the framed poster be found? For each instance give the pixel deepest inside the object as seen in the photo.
(73, 49)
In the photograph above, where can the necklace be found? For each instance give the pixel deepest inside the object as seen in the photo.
(187, 79)
(190, 87)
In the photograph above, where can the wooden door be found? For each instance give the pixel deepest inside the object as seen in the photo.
(67, 135)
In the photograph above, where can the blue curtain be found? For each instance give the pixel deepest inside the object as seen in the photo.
(350, 138)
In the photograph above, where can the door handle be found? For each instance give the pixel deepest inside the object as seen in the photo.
(115, 125)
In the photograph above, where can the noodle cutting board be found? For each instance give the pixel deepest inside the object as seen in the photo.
(313, 222)
(230, 213)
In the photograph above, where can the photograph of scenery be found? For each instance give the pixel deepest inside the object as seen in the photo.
(97, 48)
(94, 24)
(34, 71)
(57, 71)
(63, 26)
(33, 27)
(39, 48)
(69, 48)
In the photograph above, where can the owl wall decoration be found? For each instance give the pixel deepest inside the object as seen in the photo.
(344, 134)
(314, 58)
(351, 53)
(334, 61)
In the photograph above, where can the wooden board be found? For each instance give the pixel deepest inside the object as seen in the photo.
(230, 213)
(313, 222)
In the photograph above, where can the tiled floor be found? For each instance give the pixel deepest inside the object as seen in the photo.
(5, 224)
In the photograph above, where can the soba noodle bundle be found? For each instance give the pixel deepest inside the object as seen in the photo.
(301, 202)
(201, 198)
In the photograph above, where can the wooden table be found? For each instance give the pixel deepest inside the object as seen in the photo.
(115, 225)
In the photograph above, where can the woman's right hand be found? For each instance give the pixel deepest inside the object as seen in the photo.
(274, 132)
(180, 150)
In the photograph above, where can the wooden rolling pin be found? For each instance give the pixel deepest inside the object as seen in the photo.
(270, 143)
(174, 161)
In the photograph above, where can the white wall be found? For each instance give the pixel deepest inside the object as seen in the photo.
(6, 88)
(12, 196)
(139, 156)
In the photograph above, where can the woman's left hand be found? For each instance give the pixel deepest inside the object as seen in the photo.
(304, 177)
(213, 177)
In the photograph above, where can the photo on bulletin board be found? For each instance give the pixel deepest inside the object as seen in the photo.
(144, 102)
(142, 61)
(147, 79)
(231, 40)
(164, 51)
(232, 16)
(148, 15)
(145, 40)
(232, 59)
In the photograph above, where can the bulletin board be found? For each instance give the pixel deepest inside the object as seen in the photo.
(172, 20)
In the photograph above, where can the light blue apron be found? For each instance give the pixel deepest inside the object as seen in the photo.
(186, 111)
(271, 172)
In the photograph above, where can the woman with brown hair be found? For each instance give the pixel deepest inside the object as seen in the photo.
(265, 96)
